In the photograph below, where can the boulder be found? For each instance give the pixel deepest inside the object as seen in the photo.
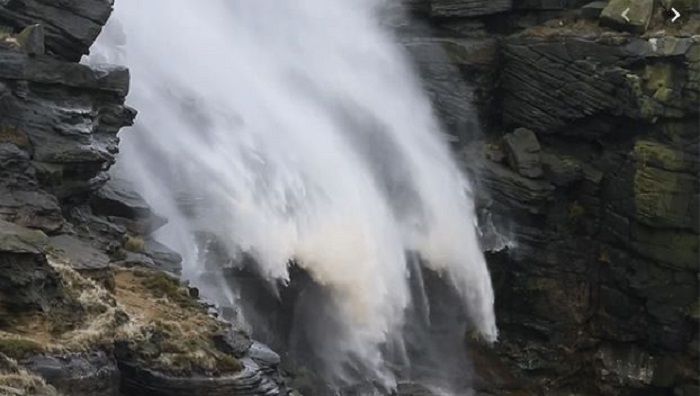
(22, 200)
(71, 26)
(118, 198)
(524, 152)
(31, 40)
(629, 15)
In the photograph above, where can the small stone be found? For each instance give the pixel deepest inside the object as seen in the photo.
(31, 40)
(637, 12)
(523, 151)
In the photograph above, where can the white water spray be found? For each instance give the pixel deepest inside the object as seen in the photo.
(302, 132)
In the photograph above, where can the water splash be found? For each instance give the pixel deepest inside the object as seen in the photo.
(297, 130)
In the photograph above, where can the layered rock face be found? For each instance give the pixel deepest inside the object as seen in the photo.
(588, 163)
(88, 302)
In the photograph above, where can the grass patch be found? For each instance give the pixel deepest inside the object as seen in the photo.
(161, 285)
(135, 244)
(19, 348)
(174, 334)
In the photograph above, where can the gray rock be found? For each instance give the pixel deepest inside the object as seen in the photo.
(18, 239)
(71, 26)
(516, 191)
(82, 255)
(523, 151)
(65, 118)
(140, 381)
(87, 374)
(164, 258)
(235, 342)
(639, 15)
(20, 66)
(263, 355)
(466, 8)
(117, 198)
(22, 200)
(31, 40)
(27, 283)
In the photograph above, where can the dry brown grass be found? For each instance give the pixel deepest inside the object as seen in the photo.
(164, 327)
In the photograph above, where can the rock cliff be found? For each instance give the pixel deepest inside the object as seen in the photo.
(88, 302)
(588, 163)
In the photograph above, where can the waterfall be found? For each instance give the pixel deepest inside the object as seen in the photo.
(298, 130)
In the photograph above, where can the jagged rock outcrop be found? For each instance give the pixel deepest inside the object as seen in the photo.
(87, 374)
(71, 25)
(87, 300)
(597, 294)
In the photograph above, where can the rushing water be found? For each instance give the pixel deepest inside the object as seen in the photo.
(298, 130)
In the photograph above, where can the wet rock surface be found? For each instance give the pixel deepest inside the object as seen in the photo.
(597, 291)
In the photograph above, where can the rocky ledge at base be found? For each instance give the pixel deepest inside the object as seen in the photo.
(89, 303)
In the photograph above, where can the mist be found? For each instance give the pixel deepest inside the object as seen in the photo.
(299, 131)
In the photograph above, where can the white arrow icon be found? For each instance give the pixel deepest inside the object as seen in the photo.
(676, 15)
(624, 14)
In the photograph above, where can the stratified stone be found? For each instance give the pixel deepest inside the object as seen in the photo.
(118, 198)
(22, 201)
(81, 255)
(27, 282)
(465, 8)
(71, 26)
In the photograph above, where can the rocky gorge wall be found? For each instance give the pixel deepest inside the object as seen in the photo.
(588, 163)
(89, 303)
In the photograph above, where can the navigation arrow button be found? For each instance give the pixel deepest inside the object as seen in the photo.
(624, 14)
(676, 15)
